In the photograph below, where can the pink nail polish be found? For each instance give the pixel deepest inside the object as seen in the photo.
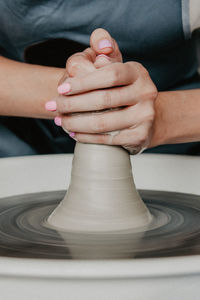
(72, 134)
(51, 105)
(58, 121)
(64, 88)
(105, 44)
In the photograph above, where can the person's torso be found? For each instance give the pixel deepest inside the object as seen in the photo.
(150, 32)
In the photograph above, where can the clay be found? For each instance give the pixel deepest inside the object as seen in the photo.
(105, 245)
(102, 196)
(194, 15)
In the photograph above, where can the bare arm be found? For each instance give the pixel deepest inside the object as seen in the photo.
(177, 113)
(177, 117)
(25, 88)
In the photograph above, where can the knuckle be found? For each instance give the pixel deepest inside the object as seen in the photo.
(99, 124)
(74, 57)
(153, 93)
(106, 100)
(151, 116)
(148, 114)
(60, 105)
(72, 64)
(141, 139)
(64, 105)
(68, 104)
(66, 123)
(149, 92)
(115, 74)
(90, 54)
(130, 64)
(137, 71)
(141, 70)
(69, 62)
(80, 83)
(102, 139)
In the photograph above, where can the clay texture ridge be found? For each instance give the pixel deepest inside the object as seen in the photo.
(102, 195)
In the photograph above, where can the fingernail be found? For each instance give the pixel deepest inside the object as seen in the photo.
(105, 44)
(72, 134)
(64, 88)
(51, 105)
(58, 121)
(103, 55)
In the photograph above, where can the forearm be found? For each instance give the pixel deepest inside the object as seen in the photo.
(177, 117)
(25, 88)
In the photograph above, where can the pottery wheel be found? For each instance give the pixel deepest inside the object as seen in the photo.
(174, 231)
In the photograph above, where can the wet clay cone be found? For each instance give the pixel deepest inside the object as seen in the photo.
(102, 195)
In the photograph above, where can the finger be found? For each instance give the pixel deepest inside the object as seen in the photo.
(106, 98)
(99, 61)
(108, 120)
(81, 63)
(84, 62)
(78, 64)
(116, 74)
(102, 60)
(102, 43)
(130, 138)
(98, 100)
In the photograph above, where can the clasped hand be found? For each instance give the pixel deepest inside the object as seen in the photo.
(99, 94)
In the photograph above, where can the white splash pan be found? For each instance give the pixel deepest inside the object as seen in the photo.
(162, 279)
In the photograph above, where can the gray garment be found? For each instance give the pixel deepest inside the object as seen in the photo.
(148, 31)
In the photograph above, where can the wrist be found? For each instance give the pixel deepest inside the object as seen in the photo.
(160, 124)
(25, 88)
(176, 117)
(50, 83)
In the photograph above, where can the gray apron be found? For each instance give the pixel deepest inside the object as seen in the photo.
(47, 32)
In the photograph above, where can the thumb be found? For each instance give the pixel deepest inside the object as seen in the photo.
(102, 43)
